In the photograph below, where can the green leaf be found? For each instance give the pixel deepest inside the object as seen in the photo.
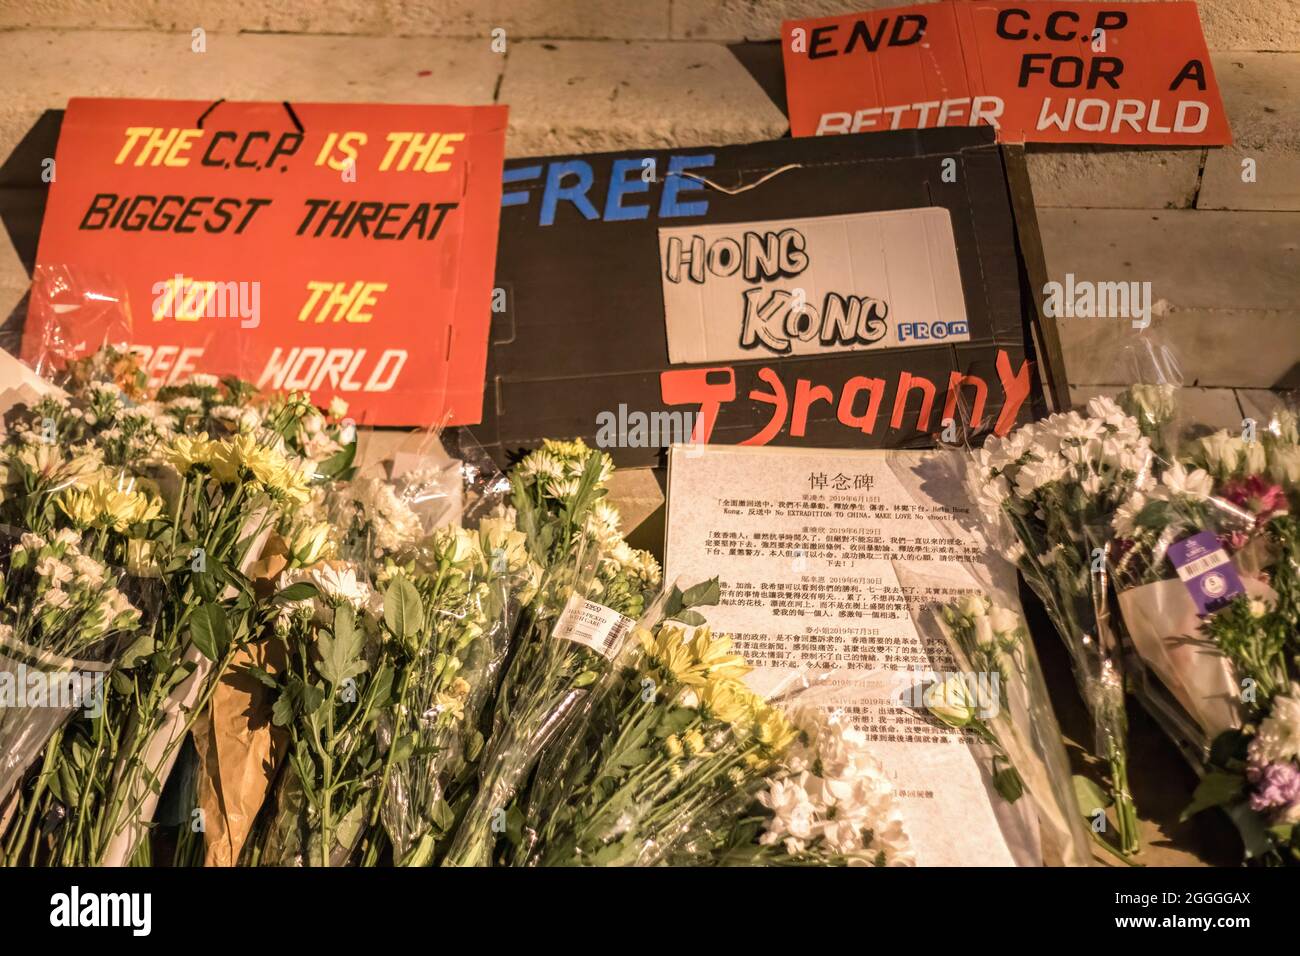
(122, 684)
(633, 758)
(692, 618)
(1090, 796)
(340, 652)
(142, 646)
(403, 612)
(282, 710)
(675, 721)
(296, 592)
(403, 747)
(1215, 790)
(380, 690)
(705, 593)
(1009, 784)
(262, 676)
(443, 815)
(473, 746)
(338, 463)
(210, 631)
(674, 602)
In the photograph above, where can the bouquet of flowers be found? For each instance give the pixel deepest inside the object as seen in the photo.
(990, 643)
(1049, 491)
(678, 762)
(61, 612)
(589, 591)
(1254, 771)
(470, 585)
(1159, 614)
(138, 482)
(827, 802)
(1204, 563)
(331, 695)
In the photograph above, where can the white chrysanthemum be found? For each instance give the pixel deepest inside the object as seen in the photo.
(337, 582)
(561, 488)
(607, 514)
(1105, 408)
(185, 404)
(837, 796)
(1125, 520)
(1284, 465)
(1036, 474)
(540, 464)
(1186, 483)
(387, 517)
(1278, 738)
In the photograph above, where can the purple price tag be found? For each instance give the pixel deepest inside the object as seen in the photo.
(1206, 569)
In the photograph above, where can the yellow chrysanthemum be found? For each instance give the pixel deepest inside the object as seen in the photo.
(714, 657)
(773, 729)
(669, 653)
(727, 701)
(104, 504)
(693, 743)
(183, 452)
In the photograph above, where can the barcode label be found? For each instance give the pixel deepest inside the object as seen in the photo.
(593, 625)
(1208, 562)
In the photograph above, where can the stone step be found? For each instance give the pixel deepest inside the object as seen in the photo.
(1229, 281)
(1228, 24)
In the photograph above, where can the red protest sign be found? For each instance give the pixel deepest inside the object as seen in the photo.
(346, 250)
(1049, 72)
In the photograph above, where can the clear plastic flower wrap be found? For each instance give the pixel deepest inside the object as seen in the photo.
(182, 486)
(384, 728)
(562, 649)
(995, 692)
(677, 762)
(1205, 563)
(1160, 616)
(64, 618)
(1047, 493)
(590, 588)
(471, 592)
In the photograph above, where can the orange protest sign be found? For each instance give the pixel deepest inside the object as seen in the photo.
(342, 249)
(1050, 72)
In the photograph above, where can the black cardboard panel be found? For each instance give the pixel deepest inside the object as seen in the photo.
(583, 329)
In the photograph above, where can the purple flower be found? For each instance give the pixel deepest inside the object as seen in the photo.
(1276, 785)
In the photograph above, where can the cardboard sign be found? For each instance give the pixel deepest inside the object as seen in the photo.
(339, 249)
(1047, 72)
(596, 340)
(781, 285)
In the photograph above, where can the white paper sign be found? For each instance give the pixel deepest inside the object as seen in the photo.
(873, 280)
(819, 552)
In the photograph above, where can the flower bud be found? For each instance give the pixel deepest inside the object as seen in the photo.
(951, 702)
